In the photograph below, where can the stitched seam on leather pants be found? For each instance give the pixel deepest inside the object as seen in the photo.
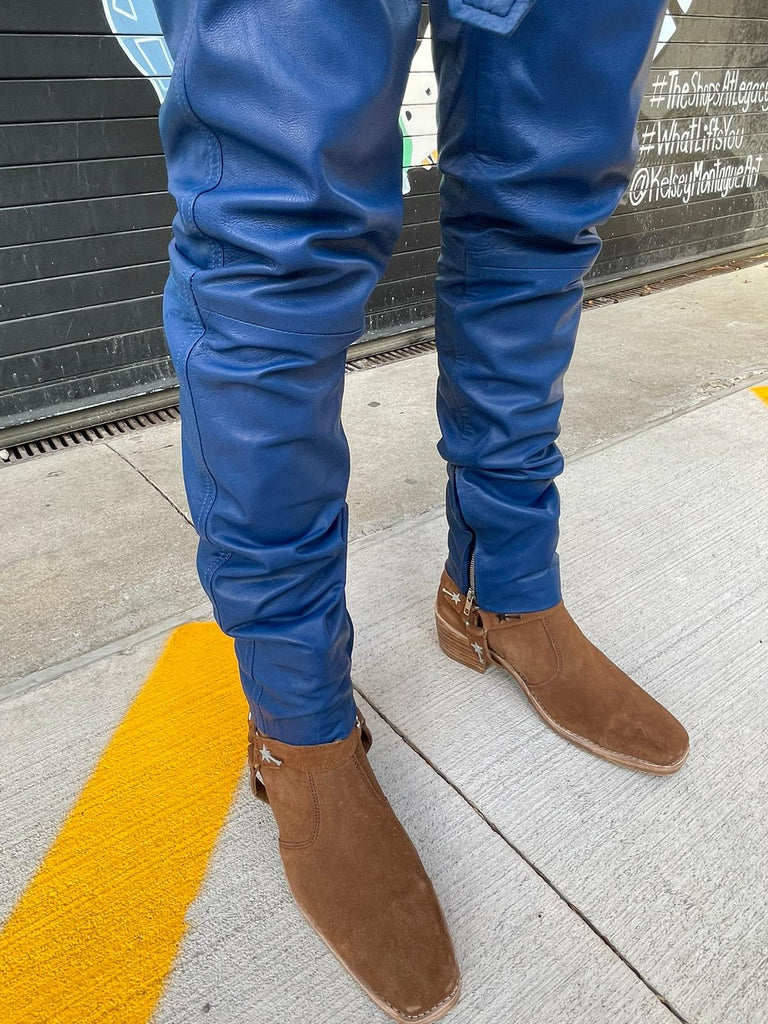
(251, 661)
(215, 171)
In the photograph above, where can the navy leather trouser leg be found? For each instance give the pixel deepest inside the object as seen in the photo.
(280, 131)
(537, 144)
(283, 151)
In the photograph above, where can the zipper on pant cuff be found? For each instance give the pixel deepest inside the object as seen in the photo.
(469, 603)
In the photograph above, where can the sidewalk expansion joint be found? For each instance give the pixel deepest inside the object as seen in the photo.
(151, 483)
(756, 380)
(516, 849)
(412, 521)
(43, 676)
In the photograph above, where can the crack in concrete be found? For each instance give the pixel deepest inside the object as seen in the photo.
(151, 483)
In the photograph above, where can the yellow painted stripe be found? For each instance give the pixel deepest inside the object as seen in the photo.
(762, 393)
(96, 932)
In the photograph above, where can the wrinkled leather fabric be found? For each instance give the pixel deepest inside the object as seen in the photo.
(537, 145)
(280, 130)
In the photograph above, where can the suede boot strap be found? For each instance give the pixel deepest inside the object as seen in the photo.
(264, 751)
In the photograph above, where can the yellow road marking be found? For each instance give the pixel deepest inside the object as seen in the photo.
(96, 932)
(762, 393)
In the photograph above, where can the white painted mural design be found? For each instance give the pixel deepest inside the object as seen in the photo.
(136, 27)
(669, 25)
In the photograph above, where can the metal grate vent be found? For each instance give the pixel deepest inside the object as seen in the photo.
(392, 356)
(103, 431)
(87, 435)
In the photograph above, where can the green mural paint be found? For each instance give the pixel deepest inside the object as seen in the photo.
(407, 145)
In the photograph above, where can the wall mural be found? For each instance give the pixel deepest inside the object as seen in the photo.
(137, 29)
(699, 184)
(669, 25)
(135, 25)
(85, 187)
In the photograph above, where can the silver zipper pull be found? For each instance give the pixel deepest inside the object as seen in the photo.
(469, 602)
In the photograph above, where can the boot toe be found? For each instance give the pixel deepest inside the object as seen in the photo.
(668, 742)
(395, 943)
(422, 1011)
(645, 733)
(428, 999)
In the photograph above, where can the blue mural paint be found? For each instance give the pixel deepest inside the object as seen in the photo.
(137, 29)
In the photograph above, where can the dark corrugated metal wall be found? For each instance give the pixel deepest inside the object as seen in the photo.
(84, 214)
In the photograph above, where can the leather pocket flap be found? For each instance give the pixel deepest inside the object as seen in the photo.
(502, 16)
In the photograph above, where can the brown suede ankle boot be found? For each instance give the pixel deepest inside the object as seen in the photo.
(355, 874)
(575, 688)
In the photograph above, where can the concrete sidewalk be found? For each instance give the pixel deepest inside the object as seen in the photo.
(576, 891)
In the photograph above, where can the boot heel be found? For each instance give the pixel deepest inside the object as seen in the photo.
(457, 645)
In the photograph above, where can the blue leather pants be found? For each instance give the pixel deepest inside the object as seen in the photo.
(280, 130)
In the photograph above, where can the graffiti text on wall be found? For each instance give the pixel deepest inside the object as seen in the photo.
(703, 134)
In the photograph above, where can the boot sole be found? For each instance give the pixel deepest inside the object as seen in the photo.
(433, 1014)
(455, 644)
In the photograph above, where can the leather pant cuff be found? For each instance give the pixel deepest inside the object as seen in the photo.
(323, 726)
(496, 592)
